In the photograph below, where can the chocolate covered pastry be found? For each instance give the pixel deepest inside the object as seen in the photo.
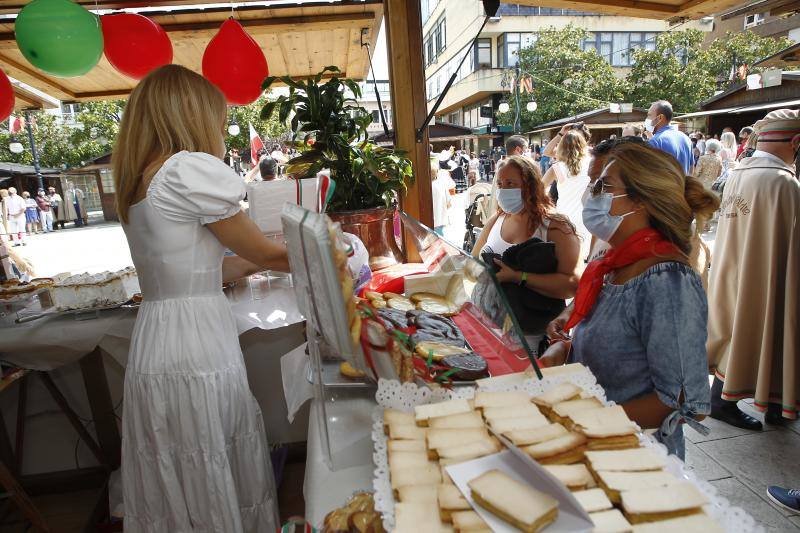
(467, 367)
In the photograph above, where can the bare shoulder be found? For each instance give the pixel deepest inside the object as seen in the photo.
(560, 226)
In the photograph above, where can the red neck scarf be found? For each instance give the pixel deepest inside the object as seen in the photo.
(643, 244)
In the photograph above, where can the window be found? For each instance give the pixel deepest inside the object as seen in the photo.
(617, 47)
(508, 46)
(376, 117)
(435, 41)
(483, 54)
(753, 20)
(427, 7)
(518, 10)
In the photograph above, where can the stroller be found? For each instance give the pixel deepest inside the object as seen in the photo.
(474, 221)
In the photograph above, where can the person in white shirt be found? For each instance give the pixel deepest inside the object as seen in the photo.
(15, 207)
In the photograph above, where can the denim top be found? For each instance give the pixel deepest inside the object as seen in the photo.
(647, 335)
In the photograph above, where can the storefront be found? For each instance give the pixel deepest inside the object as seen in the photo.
(602, 122)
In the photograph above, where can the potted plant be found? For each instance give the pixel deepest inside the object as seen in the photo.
(330, 130)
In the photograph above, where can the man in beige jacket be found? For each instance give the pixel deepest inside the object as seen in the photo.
(754, 292)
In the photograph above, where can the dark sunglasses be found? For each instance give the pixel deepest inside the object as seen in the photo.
(599, 187)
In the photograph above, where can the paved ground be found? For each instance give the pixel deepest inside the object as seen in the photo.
(741, 464)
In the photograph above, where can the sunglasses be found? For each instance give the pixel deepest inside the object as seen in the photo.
(599, 187)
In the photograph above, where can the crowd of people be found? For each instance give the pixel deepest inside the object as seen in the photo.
(23, 215)
(625, 218)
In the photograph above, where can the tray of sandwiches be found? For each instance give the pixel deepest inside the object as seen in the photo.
(451, 461)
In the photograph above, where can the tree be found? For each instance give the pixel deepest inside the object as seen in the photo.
(682, 71)
(270, 130)
(673, 71)
(736, 49)
(566, 79)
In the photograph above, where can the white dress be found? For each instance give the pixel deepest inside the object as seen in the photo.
(194, 450)
(570, 194)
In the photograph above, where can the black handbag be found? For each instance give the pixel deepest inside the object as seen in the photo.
(532, 309)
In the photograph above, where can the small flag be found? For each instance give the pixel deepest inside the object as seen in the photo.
(15, 124)
(256, 145)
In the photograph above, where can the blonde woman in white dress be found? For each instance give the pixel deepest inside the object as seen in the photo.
(194, 451)
(571, 174)
(729, 149)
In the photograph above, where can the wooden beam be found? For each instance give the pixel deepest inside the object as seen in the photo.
(409, 105)
(14, 6)
(34, 78)
(99, 396)
(695, 9)
(255, 27)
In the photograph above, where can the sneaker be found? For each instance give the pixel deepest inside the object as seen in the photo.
(789, 499)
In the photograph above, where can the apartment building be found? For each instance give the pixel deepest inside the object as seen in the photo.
(450, 25)
(761, 19)
(369, 102)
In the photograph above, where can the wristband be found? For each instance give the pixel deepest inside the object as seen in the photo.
(523, 280)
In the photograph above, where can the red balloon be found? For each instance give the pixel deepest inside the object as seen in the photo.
(134, 44)
(6, 97)
(234, 62)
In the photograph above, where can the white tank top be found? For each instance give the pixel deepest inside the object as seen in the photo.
(495, 243)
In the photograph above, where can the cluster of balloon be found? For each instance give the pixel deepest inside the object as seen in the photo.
(59, 37)
(134, 44)
(6, 97)
(234, 62)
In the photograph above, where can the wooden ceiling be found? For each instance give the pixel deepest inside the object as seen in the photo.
(673, 10)
(297, 39)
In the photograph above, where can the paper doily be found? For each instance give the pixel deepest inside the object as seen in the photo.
(403, 397)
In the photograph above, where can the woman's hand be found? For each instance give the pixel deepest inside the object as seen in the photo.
(565, 129)
(555, 329)
(555, 355)
(506, 274)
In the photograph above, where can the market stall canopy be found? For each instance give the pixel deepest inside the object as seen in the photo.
(672, 10)
(436, 132)
(298, 40)
(597, 118)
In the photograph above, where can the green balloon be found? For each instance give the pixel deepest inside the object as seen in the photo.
(59, 37)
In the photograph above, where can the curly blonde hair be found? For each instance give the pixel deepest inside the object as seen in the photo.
(572, 150)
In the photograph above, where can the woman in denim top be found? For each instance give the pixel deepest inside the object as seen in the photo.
(644, 338)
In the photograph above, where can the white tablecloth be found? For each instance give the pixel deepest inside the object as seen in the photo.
(259, 302)
(324, 488)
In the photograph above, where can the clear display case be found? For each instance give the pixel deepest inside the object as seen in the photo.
(345, 404)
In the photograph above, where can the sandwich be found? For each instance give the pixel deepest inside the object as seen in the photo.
(526, 437)
(418, 493)
(500, 399)
(560, 393)
(505, 425)
(451, 500)
(469, 521)
(562, 412)
(407, 432)
(512, 411)
(574, 477)
(423, 413)
(449, 438)
(564, 450)
(593, 500)
(611, 521)
(662, 503)
(473, 450)
(405, 446)
(471, 419)
(607, 428)
(417, 518)
(615, 483)
(514, 502)
(638, 460)
(393, 416)
(419, 475)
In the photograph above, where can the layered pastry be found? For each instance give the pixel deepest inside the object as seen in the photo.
(514, 502)
(85, 291)
(662, 503)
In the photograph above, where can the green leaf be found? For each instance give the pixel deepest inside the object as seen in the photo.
(286, 108)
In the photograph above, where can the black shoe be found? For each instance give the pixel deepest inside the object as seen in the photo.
(730, 414)
(774, 415)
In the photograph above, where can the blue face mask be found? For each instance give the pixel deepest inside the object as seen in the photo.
(597, 218)
(510, 200)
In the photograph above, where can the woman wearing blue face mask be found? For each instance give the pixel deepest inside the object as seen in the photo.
(527, 212)
(641, 312)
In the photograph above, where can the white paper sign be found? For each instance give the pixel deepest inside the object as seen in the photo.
(513, 462)
(267, 198)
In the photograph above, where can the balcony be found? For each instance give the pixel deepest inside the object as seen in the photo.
(474, 88)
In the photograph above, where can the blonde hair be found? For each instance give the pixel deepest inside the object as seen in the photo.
(728, 140)
(172, 109)
(572, 151)
(672, 199)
